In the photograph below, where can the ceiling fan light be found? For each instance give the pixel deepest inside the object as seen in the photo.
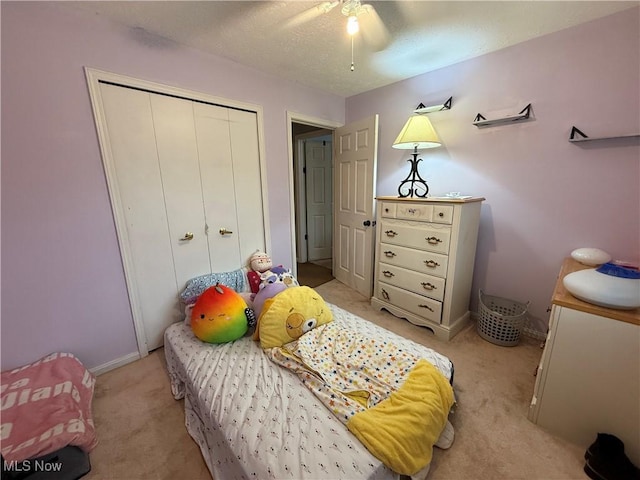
(352, 25)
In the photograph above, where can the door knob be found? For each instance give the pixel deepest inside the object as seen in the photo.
(187, 236)
(224, 231)
(366, 223)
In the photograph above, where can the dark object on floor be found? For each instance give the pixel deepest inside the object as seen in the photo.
(68, 463)
(606, 460)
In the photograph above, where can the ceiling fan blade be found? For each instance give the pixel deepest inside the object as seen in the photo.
(373, 29)
(310, 13)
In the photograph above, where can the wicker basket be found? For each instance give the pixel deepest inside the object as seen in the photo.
(501, 320)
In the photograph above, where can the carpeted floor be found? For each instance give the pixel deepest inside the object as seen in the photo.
(313, 274)
(142, 435)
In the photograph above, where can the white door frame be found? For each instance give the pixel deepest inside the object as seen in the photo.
(94, 77)
(293, 117)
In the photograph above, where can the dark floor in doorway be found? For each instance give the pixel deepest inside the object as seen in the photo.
(312, 275)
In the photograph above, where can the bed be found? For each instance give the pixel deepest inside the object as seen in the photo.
(254, 419)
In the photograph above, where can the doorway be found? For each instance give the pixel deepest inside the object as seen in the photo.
(312, 197)
(312, 148)
(354, 185)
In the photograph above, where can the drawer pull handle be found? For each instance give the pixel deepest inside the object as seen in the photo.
(411, 210)
(433, 240)
(431, 263)
(428, 286)
(388, 274)
(384, 293)
(441, 214)
(389, 253)
(391, 233)
(426, 306)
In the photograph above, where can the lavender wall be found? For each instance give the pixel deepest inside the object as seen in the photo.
(545, 196)
(63, 286)
(62, 281)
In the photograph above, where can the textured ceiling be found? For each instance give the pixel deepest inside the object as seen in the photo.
(422, 35)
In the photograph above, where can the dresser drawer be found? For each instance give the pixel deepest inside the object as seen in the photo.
(427, 285)
(411, 302)
(418, 260)
(417, 212)
(388, 209)
(442, 214)
(412, 211)
(430, 237)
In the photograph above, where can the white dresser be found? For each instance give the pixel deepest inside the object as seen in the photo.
(425, 252)
(588, 380)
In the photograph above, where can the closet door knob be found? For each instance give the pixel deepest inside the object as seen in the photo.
(224, 231)
(187, 236)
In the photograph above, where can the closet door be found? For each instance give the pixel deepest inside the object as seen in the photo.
(227, 141)
(175, 133)
(139, 200)
(218, 186)
(188, 185)
(243, 128)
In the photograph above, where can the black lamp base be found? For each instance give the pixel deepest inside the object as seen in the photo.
(414, 184)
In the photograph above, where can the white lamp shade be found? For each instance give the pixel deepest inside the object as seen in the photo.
(417, 133)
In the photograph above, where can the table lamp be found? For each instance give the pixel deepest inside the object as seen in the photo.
(416, 133)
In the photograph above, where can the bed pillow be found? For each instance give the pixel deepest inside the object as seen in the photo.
(195, 286)
(289, 314)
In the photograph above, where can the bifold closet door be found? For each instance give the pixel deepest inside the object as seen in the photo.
(189, 189)
(227, 142)
(151, 279)
(179, 163)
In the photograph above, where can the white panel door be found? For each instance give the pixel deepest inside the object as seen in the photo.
(355, 179)
(319, 199)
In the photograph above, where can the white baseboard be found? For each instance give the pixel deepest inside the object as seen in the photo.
(113, 364)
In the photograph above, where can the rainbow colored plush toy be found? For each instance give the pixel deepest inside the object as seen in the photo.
(221, 315)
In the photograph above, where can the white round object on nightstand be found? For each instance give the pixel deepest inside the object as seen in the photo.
(603, 289)
(590, 256)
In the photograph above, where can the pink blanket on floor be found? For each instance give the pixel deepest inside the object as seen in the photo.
(45, 406)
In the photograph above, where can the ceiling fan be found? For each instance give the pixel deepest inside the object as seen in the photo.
(374, 32)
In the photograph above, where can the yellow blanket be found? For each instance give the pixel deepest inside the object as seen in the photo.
(393, 400)
(401, 430)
